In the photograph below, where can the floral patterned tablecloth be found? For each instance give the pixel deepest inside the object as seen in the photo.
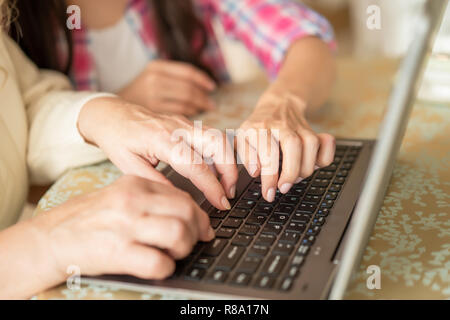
(411, 239)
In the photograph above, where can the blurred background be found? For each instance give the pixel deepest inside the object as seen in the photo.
(356, 40)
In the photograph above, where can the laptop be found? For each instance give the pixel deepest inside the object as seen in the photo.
(307, 243)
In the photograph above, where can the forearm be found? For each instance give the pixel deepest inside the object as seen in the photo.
(308, 72)
(26, 266)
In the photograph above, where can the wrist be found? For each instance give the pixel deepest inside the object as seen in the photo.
(92, 114)
(46, 263)
(279, 95)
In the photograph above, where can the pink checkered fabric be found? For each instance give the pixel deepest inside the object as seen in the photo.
(266, 27)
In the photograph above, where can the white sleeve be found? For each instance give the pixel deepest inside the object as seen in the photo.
(55, 144)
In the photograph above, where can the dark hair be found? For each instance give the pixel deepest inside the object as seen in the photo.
(39, 23)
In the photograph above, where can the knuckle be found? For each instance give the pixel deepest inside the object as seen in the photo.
(310, 139)
(178, 231)
(306, 172)
(189, 211)
(152, 80)
(123, 198)
(293, 138)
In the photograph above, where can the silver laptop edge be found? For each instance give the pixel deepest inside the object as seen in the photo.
(388, 143)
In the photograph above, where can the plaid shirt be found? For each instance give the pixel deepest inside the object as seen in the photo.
(266, 27)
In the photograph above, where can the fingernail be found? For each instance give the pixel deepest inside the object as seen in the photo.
(285, 188)
(233, 191)
(316, 167)
(211, 233)
(271, 194)
(253, 168)
(299, 179)
(225, 203)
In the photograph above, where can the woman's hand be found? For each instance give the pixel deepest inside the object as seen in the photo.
(136, 139)
(134, 227)
(279, 121)
(173, 87)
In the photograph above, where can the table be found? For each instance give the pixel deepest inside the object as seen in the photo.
(411, 240)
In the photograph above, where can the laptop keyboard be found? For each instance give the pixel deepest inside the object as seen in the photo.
(262, 244)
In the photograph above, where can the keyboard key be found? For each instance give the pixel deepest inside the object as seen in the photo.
(306, 207)
(339, 153)
(296, 227)
(286, 284)
(284, 209)
(195, 274)
(278, 219)
(241, 279)
(241, 240)
(318, 221)
(342, 173)
(239, 213)
(255, 186)
(335, 188)
(297, 190)
(290, 237)
(341, 148)
(204, 262)
(180, 265)
(316, 191)
(349, 159)
(225, 233)
(215, 247)
(265, 282)
(284, 249)
(218, 214)
(337, 160)
(265, 239)
(263, 209)
(308, 241)
(320, 183)
(256, 219)
(332, 168)
(252, 195)
(274, 229)
(298, 260)
(303, 250)
(232, 223)
(346, 166)
(249, 264)
(326, 204)
(325, 175)
(339, 180)
(274, 265)
(230, 258)
(300, 217)
(248, 229)
(246, 204)
(312, 199)
(218, 276)
(323, 212)
(197, 247)
(258, 251)
(313, 231)
(331, 196)
(293, 272)
(287, 199)
(215, 222)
